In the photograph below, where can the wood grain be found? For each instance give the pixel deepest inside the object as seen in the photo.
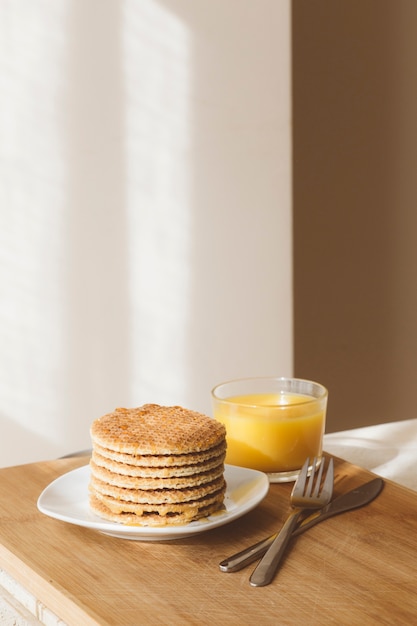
(357, 568)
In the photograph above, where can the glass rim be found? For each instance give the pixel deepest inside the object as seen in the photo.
(322, 395)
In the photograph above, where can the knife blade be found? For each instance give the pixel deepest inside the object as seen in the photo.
(346, 502)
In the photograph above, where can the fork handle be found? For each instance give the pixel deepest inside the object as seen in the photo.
(265, 570)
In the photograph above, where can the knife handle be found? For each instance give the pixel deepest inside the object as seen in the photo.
(246, 556)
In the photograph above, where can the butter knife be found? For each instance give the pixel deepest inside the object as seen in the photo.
(346, 502)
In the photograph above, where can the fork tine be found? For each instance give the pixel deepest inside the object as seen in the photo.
(300, 483)
(319, 477)
(309, 488)
(328, 481)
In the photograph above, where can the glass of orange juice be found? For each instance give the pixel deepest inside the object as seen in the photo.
(272, 424)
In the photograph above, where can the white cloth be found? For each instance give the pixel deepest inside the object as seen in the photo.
(389, 450)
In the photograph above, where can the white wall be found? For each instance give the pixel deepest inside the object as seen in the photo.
(145, 234)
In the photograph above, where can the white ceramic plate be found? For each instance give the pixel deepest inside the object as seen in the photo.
(66, 499)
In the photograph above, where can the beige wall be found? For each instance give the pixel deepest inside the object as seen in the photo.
(355, 205)
(145, 208)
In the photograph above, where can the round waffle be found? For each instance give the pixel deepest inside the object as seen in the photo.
(154, 429)
(130, 475)
(155, 515)
(151, 483)
(162, 460)
(156, 496)
(155, 465)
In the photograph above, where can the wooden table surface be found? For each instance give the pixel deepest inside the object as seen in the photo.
(356, 568)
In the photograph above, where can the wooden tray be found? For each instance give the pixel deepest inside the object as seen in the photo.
(357, 568)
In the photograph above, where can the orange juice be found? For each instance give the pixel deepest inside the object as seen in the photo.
(272, 432)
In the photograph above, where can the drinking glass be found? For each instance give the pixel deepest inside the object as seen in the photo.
(272, 424)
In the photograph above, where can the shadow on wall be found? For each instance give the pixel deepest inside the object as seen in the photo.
(145, 236)
(239, 306)
(355, 253)
(19, 445)
(97, 353)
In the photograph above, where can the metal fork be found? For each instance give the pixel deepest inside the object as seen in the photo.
(305, 495)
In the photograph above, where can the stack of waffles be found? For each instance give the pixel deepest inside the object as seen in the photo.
(156, 466)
